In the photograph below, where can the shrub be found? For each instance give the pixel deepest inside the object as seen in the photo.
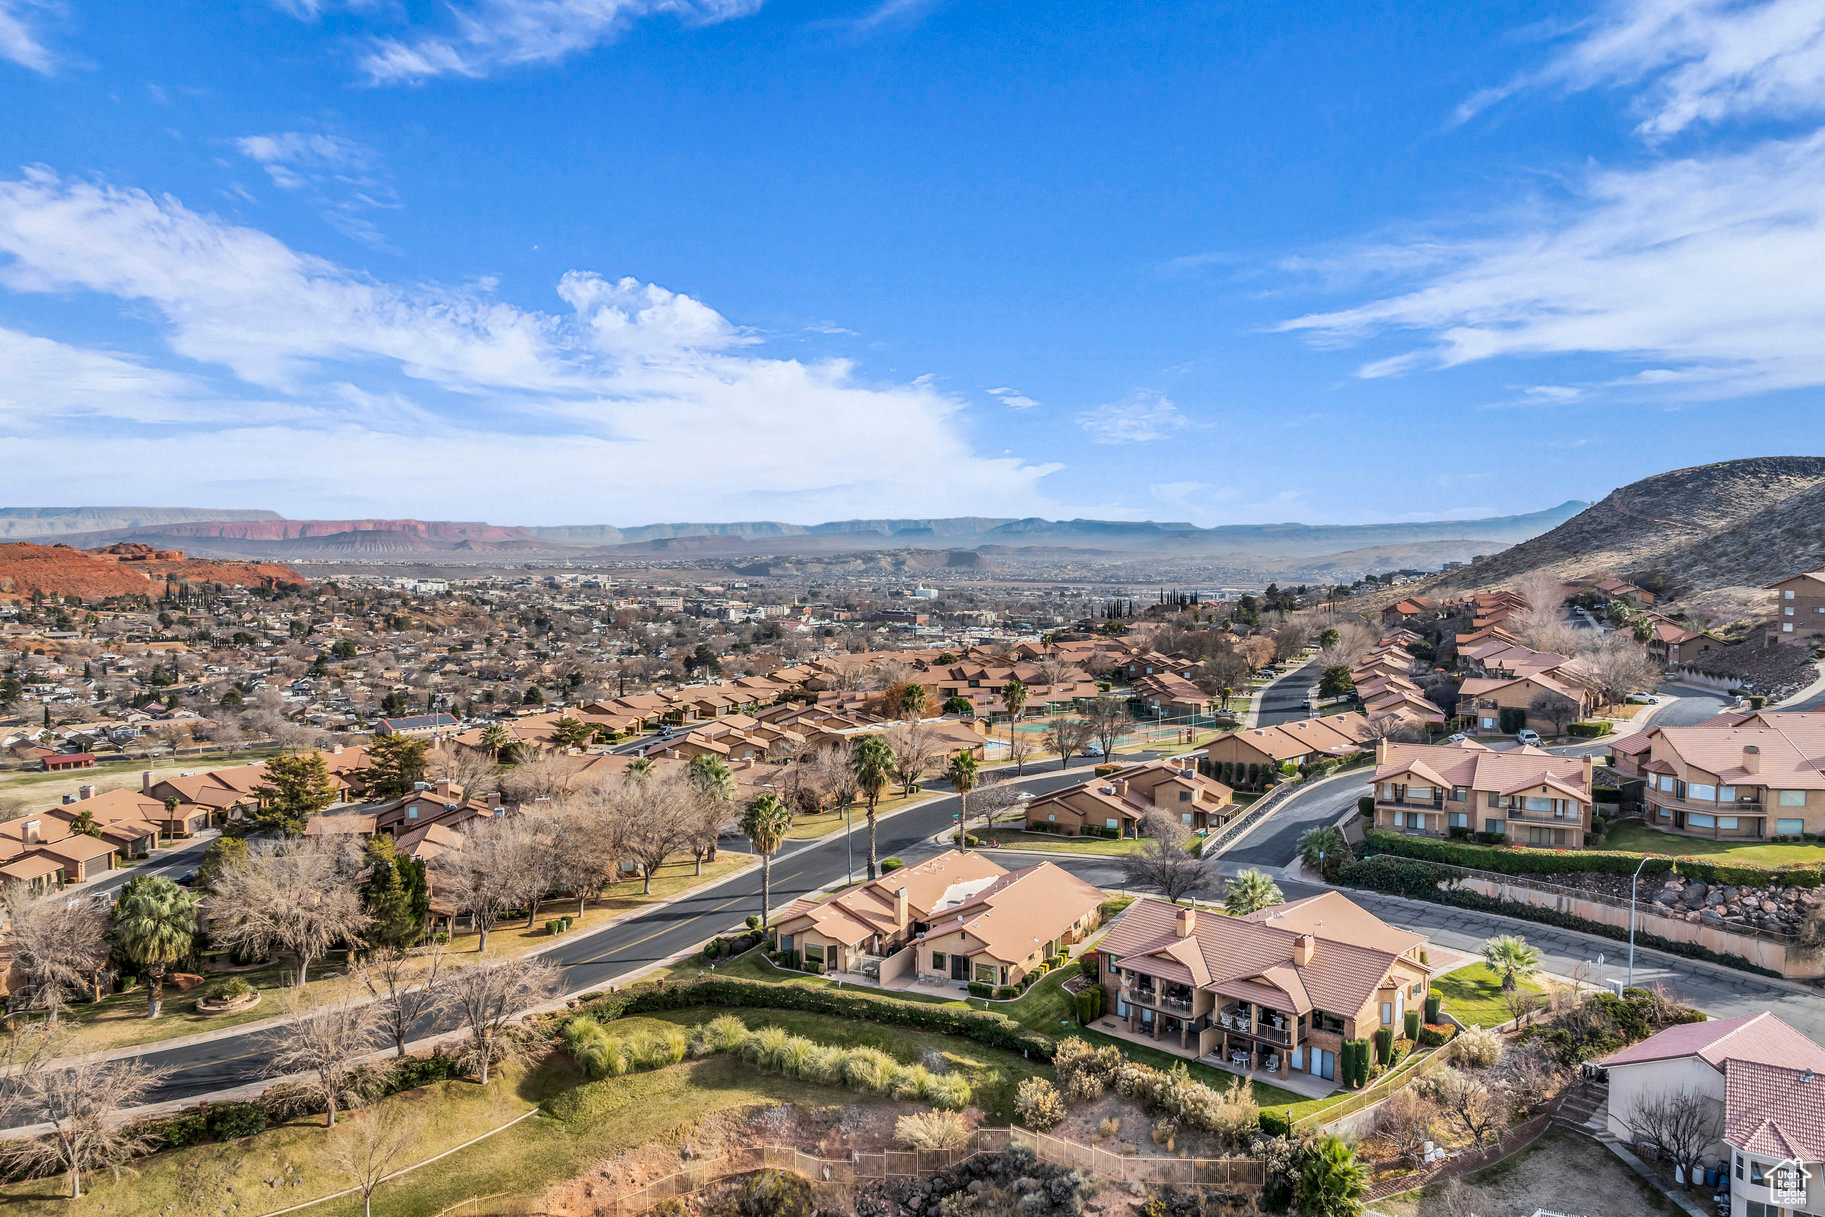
(1088, 964)
(1273, 1123)
(824, 1067)
(1004, 993)
(752, 921)
(1384, 1045)
(949, 1091)
(232, 989)
(1606, 794)
(1478, 1047)
(869, 1070)
(1365, 804)
(1038, 1106)
(1433, 1035)
(1587, 730)
(1540, 861)
(177, 1130)
(931, 1130)
(891, 864)
(775, 1193)
(231, 1121)
(1434, 999)
(1510, 719)
(411, 1072)
(1092, 1004)
(1411, 1025)
(724, 1033)
(764, 1046)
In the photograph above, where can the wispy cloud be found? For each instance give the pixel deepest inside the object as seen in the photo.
(1141, 419)
(1705, 271)
(1013, 399)
(344, 179)
(488, 36)
(19, 38)
(630, 396)
(890, 13)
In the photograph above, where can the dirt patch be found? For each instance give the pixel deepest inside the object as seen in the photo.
(828, 1131)
(1562, 1172)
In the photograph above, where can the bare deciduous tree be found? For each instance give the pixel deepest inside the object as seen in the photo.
(657, 809)
(407, 986)
(994, 796)
(297, 896)
(1162, 865)
(488, 997)
(325, 1042)
(82, 1101)
(499, 864)
(59, 943)
(1020, 747)
(916, 748)
(1474, 1107)
(1682, 1123)
(1109, 721)
(1555, 708)
(1521, 1003)
(1066, 735)
(470, 769)
(545, 776)
(1290, 639)
(1406, 1121)
(370, 1146)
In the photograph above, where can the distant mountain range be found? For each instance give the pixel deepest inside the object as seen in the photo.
(267, 535)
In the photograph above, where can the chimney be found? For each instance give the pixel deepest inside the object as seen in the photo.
(1303, 948)
(336, 751)
(494, 798)
(1381, 751)
(1121, 787)
(1752, 758)
(1187, 923)
(30, 832)
(145, 782)
(442, 785)
(1589, 770)
(85, 792)
(899, 907)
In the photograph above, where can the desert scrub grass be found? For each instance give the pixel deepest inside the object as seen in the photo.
(931, 1130)
(825, 1067)
(950, 1091)
(911, 1082)
(1478, 1047)
(724, 1033)
(869, 1070)
(763, 1048)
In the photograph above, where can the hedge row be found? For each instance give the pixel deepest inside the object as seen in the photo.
(1419, 880)
(983, 1026)
(1510, 860)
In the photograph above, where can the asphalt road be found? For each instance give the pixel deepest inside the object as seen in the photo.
(630, 943)
(1280, 701)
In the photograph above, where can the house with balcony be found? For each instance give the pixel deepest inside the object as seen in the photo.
(1483, 700)
(1764, 1084)
(1276, 992)
(1799, 607)
(1527, 795)
(965, 917)
(1121, 800)
(1734, 777)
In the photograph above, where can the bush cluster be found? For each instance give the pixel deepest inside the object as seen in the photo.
(1086, 1073)
(868, 1070)
(1604, 1022)
(1587, 730)
(733, 945)
(1519, 861)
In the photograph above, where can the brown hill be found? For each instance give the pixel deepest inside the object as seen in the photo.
(1739, 523)
(59, 570)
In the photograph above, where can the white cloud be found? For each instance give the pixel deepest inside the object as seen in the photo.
(1705, 61)
(1714, 265)
(637, 403)
(1706, 271)
(1013, 399)
(343, 179)
(19, 41)
(1140, 419)
(491, 35)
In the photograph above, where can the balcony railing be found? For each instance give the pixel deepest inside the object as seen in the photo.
(1273, 1034)
(1436, 804)
(1744, 807)
(1160, 1001)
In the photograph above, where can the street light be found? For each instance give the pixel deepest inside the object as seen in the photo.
(1632, 885)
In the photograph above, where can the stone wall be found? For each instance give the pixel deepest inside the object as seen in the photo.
(1712, 935)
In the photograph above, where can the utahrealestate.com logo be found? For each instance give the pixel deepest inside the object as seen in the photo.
(1787, 1181)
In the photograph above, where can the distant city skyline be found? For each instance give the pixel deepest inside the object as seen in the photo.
(631, 261)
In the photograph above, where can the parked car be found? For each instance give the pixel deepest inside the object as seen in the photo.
(1456, 737)
(1642, 699)
(1093, 749)
(1527, 735)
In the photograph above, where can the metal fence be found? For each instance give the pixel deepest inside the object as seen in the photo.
(1234, 1173)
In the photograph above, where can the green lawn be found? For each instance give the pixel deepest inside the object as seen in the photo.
(1473, 995)
(1635, 837)
(1016, 838)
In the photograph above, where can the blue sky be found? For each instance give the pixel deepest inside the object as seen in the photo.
(636, 260)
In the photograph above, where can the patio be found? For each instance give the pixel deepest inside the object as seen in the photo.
(1303, 1084)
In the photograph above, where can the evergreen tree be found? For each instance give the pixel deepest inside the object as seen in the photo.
(388, 899)
(396, 764)
(297, 787)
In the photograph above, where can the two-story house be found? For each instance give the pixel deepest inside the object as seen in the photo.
(1121, 800)
(1763, 1086)
(1278, 991)
(1753, 776)
(1799, 606)
(1525, 794)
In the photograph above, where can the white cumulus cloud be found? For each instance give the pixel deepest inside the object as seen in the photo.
(1141, 419)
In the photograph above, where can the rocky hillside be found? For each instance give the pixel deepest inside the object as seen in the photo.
(1740, 523)
(59, 570)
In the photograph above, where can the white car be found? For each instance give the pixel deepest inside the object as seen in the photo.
(1093, 749)
(1642, 699)
(1527, 735)
(1456, 737)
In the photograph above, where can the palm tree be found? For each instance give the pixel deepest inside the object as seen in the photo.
(154, 923)
(1326, 840)
(496, 739)
(765, 824)
(1248, 891)
(1224, 694)
(1014, 697)
(712, 777)
(640, 766)
(1331, 1182)
(962, 773)
(912, 701)
(873, 764)
(1510, 955)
